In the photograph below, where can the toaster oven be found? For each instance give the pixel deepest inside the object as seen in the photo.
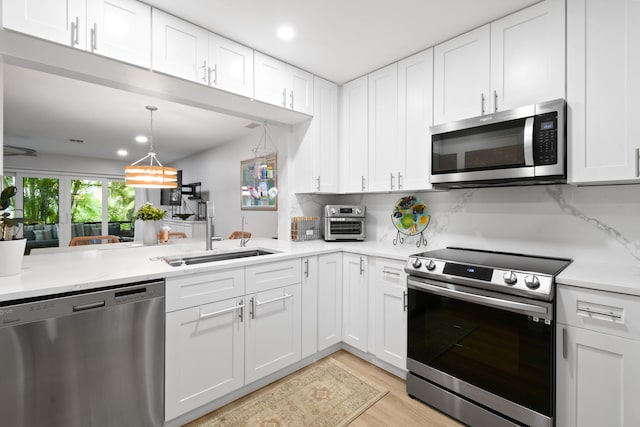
(344, 222)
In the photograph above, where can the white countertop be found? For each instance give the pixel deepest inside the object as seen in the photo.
(79, 268)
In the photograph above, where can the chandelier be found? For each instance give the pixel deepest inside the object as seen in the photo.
(150, 175)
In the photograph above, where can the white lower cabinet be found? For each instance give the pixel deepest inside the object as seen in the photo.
(272, 331)
(598, 349)
(204, 354)
(390, 289)
(310, 301)
(329, 300)
(355, 297)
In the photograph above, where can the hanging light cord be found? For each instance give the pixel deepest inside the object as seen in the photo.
(152, 155)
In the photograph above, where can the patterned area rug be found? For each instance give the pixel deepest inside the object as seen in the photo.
(324, 394)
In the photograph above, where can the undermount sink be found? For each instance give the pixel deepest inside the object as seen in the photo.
(213, 257)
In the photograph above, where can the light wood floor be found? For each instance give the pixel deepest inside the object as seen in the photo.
(396, 408)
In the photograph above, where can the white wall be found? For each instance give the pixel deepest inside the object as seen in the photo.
(600, 223)
(218, 170)
(43, 163)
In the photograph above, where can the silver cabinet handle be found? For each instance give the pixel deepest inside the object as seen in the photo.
(224, 310)
(392, 273)
(284, 97)
(590, 311)
(306, 267)
(637, 162)
(392, 178)
(362, 182)
(399, 181)
(269, 301)
(94, 37)
(565, 350)
(495, 100)
(318, 183)
(213, 70)
(404, 300)
(75, 30)
(361, 265)
(204, 71)
(291, 96)
(252, 308)
(482, 104)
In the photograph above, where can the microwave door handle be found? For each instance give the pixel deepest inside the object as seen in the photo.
(528, 141)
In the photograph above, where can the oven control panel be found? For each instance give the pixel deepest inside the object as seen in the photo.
(508, 281)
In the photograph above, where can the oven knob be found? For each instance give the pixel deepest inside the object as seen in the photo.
(532, 281)
(416, 263)
(358, 211)
(333, 211)
(431, 265)
(510, 277)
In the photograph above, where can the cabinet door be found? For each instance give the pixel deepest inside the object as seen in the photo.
(329, 300)
(390, 312)
(273, 331)
(120, 29)
(355, 294)
(309, 306)
(300, 90)
(179, 48)
(325, 158)
(230, 66)
(272, 275)
(354, 136)
(270, 77)
(415, 115)
(189, 290)
(383, 129)
(598, 382)
(603, 88)
(204, 355)
(528, 56)
(461, 76)
(60, 21)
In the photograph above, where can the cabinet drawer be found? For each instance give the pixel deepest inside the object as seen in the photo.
(390, 272)
(607, 312)
(202, 288)
(273, 275)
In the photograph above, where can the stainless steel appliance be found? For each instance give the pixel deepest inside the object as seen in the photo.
(344, 222)
(93, 358)
(481, 335)
(521, 146)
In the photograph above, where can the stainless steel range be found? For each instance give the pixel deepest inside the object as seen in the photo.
(481, 335)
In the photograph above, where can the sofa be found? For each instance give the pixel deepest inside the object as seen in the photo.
(40, 236)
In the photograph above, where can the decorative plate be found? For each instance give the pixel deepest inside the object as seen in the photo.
(410, 216)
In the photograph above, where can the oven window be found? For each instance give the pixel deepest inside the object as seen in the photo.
(496, 146)
(507, 354)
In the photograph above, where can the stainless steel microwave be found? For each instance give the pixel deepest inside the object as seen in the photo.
(525, 145)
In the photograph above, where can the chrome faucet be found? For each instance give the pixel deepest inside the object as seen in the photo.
(243, 242)
(208, 244)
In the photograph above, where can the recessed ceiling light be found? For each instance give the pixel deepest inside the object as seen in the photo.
(122, 153)
(285, 33)
(142, 139)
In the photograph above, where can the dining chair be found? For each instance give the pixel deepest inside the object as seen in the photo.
(239, 235)
(91, 240)
(178, 234)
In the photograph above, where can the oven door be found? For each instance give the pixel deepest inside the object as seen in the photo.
(492, 349)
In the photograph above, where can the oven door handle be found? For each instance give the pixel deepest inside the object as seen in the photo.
(479, 299)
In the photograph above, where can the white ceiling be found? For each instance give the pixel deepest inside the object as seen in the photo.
(338, 40)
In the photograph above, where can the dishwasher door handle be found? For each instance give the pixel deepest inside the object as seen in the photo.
(89, 306)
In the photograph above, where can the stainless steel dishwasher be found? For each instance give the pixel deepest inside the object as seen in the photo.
(93, 358)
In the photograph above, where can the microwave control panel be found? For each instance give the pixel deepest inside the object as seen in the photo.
(545, 136)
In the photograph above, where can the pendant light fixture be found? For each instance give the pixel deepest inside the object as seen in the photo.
(150, 175)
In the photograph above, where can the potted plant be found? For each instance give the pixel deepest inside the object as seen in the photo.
(150, 214)
(11, 250)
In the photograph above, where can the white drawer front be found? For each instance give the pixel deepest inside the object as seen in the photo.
(203, 288)
(607, 312)
(273, 275)
(390, 272)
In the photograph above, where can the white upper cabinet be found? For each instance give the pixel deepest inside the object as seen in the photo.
(179, 48)
(383, 129)
(230, 66)
(415, 116)
(278, 83)
(354, 136)
(603, 88)
(515, 61)
(120, 29)
(461, 76)
(60, 21)
(528, 56)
